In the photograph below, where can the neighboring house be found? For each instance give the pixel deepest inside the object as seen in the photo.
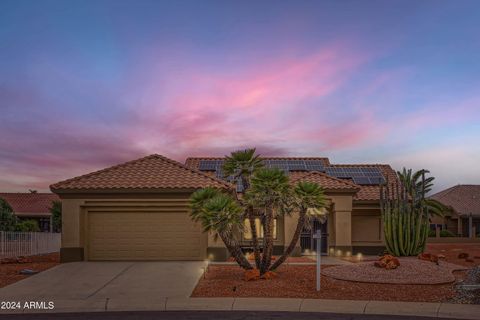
(463, 216)
(32, 206)
(139, 210)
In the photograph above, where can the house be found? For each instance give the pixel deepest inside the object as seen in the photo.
(32, 206)
(463, 216)
(139, 210)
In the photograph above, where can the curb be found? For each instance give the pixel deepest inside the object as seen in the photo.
(425, 309)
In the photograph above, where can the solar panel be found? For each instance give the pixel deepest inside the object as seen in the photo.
(207, 165)
(360, 175)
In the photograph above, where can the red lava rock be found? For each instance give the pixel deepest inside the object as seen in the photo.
(251, 275)
(8, 260)
(429, 257)
(463, 255)
(469, 260)
(476, 257)
(441, 256)
(268, 275)
(388, 262)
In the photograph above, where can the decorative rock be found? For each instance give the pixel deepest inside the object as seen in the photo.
(251, 275)
(469, 260)
(388, 262)
(28, 271)
(428, 257)
(441, 256)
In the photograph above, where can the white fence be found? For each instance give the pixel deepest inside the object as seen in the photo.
(14, 244)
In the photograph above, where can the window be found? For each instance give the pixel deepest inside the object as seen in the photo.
(247, 231)
(433, 226)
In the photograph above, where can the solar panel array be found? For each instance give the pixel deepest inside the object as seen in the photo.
(359, 175)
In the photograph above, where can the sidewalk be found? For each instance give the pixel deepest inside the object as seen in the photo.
(426, 309)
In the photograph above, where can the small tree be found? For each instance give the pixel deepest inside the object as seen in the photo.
(267, 195)
(7, 218)
(220, 213)
(309, 200)
(56, 211)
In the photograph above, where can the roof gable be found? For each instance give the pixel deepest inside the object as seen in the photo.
(151, 172)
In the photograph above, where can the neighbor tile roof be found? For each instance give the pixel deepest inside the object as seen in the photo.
(365, 193)
(151, 172)
(464, 199)
(324, 180)
(30, 204)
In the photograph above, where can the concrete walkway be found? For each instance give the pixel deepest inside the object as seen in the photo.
(425, 309)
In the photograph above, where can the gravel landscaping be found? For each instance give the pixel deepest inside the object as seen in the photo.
(410, 271)
(298, 281)
(9, 272)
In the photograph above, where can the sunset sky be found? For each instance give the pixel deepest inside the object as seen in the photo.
(89, 84)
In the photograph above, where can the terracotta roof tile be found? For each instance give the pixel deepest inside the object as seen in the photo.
(324, 180)
(31, 204)
(464, 199)
(151, 172)
(372, 192)
(366, 192)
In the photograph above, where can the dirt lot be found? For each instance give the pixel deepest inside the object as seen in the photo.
(296, 281)
(9, 273)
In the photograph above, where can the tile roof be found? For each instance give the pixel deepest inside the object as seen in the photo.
(193, 162)
(151, 172)
(30, 204)
(464, 199)
(324, 180)
(366, 192)
(372, 193)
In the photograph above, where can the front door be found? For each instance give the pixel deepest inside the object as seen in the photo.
(308, 243)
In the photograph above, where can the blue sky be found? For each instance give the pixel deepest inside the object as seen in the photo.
(87, 84)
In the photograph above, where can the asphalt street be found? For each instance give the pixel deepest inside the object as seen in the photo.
(205, 315)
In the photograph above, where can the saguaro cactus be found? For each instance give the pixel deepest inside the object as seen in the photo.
(405, 222)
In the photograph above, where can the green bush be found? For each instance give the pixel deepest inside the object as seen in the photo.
(432, 233)
(446, 233)
(27, 226)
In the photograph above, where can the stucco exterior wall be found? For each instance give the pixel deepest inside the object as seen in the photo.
(76, 208)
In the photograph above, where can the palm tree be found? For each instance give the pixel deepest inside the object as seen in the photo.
(220, 213)
(269, 193)
(308, 196)
(241, 165)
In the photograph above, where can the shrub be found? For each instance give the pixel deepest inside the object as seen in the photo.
(27, 226)
(446, 233)
(432, 233)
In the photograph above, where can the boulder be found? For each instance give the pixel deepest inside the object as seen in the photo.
(388, 262)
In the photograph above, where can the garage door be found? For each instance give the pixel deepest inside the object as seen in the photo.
(144, 236)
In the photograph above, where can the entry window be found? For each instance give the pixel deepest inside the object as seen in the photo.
(247, 231)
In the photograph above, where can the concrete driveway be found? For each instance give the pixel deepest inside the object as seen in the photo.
(99, 281)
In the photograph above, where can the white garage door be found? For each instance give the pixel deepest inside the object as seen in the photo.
(144, 236)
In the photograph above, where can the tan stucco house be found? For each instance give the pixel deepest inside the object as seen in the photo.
(139, 210)
(462, 216)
